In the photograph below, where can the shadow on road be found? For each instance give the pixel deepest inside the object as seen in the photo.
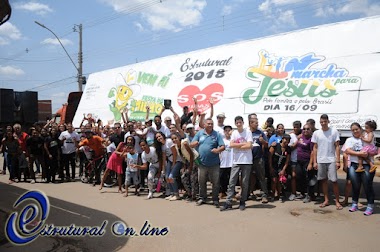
(62, 213)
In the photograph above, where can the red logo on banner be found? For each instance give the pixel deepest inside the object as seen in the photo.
(185, 97)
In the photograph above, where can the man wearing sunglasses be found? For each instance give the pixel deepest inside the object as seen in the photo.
(118, 135)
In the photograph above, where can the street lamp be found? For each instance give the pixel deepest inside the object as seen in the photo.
(79, 70)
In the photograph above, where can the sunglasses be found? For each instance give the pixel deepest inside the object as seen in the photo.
(117, 127)
(306, 128)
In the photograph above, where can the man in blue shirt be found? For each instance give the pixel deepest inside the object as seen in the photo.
(260, 140)
(210, 144)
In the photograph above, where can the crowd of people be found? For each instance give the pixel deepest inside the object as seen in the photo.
(180, 155)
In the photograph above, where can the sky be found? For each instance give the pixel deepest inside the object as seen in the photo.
(121, 32)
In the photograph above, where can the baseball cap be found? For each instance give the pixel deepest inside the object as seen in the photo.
(168, 118)
(221, 115)
(190, 126)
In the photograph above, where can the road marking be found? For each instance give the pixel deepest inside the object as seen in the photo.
(60, 208)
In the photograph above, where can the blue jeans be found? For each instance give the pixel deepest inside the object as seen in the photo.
(357, 178)
(172, 171)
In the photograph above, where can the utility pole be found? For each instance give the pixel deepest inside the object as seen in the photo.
(81, 79)
(80, 61)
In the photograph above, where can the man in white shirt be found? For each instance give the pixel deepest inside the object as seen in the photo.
(220, 126)
(241, 144)
(327, 158)
(69, 140)
(160, 127)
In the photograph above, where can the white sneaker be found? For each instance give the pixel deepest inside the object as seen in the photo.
(169, 197)
(33, 181)
(150, 195)
(175, 197)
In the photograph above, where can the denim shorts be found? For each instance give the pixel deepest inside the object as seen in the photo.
(134, 176)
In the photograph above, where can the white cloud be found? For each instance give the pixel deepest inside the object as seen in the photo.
(287, 17)
(11, 70)
(9, 32)
(361, 7)
(264, 6)
(139, 26)
(274, 10)
(168, 15)
(268, 4)
(54, 41)
(227, 10)
(38, 8)
(324, 11)
(285, 2)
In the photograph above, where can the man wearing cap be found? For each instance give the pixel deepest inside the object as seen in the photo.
(190, 131)
(168, 121)
(210, 144)
(194, 185)
(220, 126)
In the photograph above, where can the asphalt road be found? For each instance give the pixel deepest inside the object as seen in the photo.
(290, 226)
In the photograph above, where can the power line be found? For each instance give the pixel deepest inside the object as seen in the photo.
(50, 83)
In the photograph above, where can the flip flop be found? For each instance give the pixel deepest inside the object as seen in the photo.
(340, 207)
(323, 205)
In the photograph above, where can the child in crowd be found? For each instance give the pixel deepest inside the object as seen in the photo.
(131, 171)
(368, 139)
(279, 158)
(226, 159)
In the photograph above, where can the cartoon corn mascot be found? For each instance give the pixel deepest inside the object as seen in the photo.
(125, 90)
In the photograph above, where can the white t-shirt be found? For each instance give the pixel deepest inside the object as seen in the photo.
(149, 135)
(293, 140)
(326, 144)
(355, 144)
(241, 156)
(220, 130)
(166, 148)
(150, 157)
(163, 129)
(226, 155)
(68, 146)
